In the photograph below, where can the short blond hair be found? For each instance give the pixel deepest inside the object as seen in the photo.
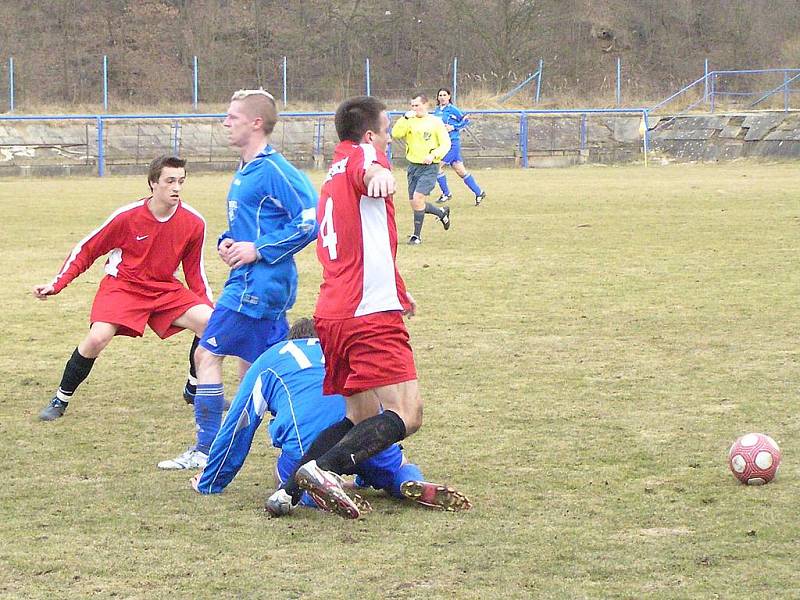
(258, 104)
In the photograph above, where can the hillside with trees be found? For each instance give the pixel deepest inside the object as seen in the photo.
(57, 47)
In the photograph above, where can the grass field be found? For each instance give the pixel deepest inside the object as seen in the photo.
(590, 342)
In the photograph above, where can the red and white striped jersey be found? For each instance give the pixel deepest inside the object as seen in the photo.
(144, 251)
(357, 240)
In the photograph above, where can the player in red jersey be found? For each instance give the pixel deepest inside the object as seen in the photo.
(359, 314)
(146, 241)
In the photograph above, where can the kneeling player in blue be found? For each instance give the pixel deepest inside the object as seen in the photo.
(286, 381)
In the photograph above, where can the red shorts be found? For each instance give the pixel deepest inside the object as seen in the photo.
(364, 353)
(131, 307)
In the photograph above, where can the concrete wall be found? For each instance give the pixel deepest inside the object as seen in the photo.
(70, 147)
(724, 137)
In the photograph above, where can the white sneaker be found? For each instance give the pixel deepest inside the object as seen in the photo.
(325, 488)
(191, 459)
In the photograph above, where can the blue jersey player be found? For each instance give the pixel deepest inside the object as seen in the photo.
(271, 217)
(454, 122)
(286, 382)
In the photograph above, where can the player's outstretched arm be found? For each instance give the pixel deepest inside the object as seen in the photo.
(43, 291)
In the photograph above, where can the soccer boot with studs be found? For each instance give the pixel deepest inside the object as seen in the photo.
(435, 496)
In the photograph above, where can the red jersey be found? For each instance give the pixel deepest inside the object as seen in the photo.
(357, 240)
(143, 250)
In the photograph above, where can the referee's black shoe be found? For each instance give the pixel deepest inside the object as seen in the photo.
(445, 218)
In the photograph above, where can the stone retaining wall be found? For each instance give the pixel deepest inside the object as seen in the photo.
(724, 137)
(70, 147)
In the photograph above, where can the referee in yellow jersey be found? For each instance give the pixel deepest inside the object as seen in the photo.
(427, 141)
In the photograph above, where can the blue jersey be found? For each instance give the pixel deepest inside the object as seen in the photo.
(285, 381)
(273, 205)
(450, 115)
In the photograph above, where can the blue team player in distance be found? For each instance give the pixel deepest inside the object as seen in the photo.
(271, 208)
(286, 382)
(454, 121)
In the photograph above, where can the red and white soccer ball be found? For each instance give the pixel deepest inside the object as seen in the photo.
(754, 459)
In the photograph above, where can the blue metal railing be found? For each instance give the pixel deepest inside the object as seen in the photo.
(712, 92)
(784, 87)
(319, 127)
(535, 75)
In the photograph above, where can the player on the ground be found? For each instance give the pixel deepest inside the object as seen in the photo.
(146, 242)
(454, 121)
(427, 142)
(359, 313)
(286, 381)
(271, 217)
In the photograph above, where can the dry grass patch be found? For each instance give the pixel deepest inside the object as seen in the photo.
(582, 386)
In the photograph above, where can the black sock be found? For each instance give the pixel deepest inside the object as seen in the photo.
(191, 383)
(433, 210)
(76, 371)
(419, 217)
(326, 440)
(364, 440)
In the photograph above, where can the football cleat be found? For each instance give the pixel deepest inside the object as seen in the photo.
(445, 218)
(480, 198)
(191, 459)
(443, 198)
(414, 240)
(279, 504)
(53, 410)
(435, 495)
(325, 488)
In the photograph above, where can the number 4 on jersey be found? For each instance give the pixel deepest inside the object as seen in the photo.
(326, 231)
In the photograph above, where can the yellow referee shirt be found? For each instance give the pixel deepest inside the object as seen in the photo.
(422, 136)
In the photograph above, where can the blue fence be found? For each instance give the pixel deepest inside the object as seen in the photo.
(749, 88)
(739, 89)
(714, 88)
(515, 138)
(744, 88)
(283, 81)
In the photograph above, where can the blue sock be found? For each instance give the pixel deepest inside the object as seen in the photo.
(408, 472)
(472, 184)
(442, 181)
(208, 406)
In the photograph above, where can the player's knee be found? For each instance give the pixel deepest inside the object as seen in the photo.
(94, 343)
(413, 420)
(204, 359)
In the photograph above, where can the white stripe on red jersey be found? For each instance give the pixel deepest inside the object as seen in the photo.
(357, 240)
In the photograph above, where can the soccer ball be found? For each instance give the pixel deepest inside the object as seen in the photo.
(754, 459)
